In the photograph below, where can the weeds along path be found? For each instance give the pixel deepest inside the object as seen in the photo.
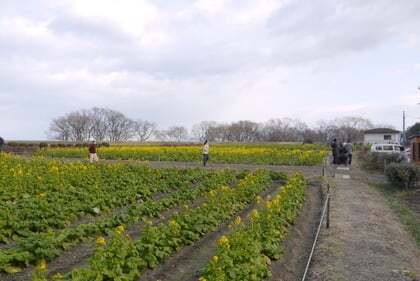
(79, 254)
(186, 264)
(366, 240)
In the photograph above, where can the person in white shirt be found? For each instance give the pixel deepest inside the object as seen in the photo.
(205, 152)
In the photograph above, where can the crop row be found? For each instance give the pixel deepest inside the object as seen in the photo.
(246, 254)
(120, 258)
(41, 196)
(46, 246)
(263, 154)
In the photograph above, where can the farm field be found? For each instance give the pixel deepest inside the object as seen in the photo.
(64, 220)
(274, 154)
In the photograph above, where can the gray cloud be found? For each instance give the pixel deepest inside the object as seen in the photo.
(194, 60)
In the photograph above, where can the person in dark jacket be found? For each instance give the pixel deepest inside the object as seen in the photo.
(93, 156)
(334, 150)
(342, 155)
(205, 152)
(1, 144)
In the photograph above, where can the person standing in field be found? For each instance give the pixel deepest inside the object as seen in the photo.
(1, 144)
(93, 157)
(349, 150)
(205, 153)
(334, 149)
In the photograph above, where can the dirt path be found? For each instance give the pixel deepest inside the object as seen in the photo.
(366, 241)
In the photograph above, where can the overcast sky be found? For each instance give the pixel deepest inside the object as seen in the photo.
(181, 62)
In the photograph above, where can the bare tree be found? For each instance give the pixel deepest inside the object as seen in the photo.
(79, 125)
(243, 131)
(201, 130)
(60, 129)
(98, 123)
(143, 129)
(101, 124)
(177, 133)
(285, 129)
(162, 135)
(120, 128)
(344, 128)
(220, 133)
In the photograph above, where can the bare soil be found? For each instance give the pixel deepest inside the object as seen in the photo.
(366, 241)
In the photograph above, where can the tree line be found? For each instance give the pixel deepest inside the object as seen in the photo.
(104, 124)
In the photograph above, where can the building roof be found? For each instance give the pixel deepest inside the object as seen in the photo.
(382, 131)
(417, 135)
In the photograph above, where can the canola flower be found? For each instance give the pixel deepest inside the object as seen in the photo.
(58, 276)
(42, 265)
(255, 214)
(212, 193)
(100, 241)
(173, 223)
(119, 229)
(223, 240)
(225, 188)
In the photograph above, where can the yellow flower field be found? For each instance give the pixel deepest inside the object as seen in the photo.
(273, 154)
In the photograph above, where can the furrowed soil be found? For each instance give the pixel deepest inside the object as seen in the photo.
(88, 218)
(298, 244)
(186, 264)
(78, 256)
(66, 263)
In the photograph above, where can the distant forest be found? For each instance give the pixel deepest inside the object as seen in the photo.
(104, 124)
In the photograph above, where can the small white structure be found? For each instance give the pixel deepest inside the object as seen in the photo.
(382, 135)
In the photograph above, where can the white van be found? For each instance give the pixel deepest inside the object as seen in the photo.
(386, 148)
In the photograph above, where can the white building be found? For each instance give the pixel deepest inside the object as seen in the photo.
(382, 135)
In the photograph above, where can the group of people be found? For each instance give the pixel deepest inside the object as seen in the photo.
(342, 152)
(93, 156)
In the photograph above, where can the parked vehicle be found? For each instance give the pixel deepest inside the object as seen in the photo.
(387, 148)
(391, 149)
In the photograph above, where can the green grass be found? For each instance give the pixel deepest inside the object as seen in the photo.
(407, 216)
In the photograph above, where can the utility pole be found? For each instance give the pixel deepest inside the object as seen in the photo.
(404, 137)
